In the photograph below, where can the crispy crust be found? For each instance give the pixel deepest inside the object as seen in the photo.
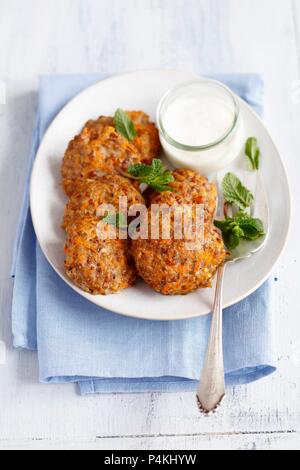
(147, 141)
(97, 266)
(90, 155)
(169, 267)
(193, 188)
(172, 266)
(99, 149)
(90, 194)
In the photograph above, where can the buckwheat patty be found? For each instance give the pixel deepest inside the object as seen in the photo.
(90, 194)
(99, 149)
(193, 188)
(179, 266)
(97, 266)
(147, 141)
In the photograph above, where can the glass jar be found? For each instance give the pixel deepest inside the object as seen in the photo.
(200, 126)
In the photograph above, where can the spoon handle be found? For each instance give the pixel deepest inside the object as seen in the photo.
(211, 389)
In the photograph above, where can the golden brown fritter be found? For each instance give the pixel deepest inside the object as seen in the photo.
(96, 126)
(172, 266)
(92, 154)
(198, 189)
(90, 194)
(99, 149)
(193, 187)
(147, 141)
(97, 266)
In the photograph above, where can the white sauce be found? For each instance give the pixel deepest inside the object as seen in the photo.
(199, 114)
(198, 120)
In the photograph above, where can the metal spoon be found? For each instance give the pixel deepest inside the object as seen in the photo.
(211, 388)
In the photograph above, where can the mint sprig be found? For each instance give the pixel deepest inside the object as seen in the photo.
(156, 176)
(241, 226)
(124, 125)
(235, 192)
(116, 219)
(252, 151)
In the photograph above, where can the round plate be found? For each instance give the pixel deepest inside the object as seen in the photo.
(142, 91)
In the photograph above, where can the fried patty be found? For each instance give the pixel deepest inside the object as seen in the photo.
(90, 194)
(90, 155)
(179, 266)
(99, 149)
(147, 141)
(193, 188)
(97, 266)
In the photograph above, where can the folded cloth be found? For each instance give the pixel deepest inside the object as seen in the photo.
(104, 352)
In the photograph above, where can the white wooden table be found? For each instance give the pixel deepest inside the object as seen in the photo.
(112, 36)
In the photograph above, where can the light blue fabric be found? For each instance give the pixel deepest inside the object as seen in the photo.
(105, 352)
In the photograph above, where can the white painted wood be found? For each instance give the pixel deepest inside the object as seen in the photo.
(273, 441)
(112, 36)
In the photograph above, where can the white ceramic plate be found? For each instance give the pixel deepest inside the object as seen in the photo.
(143, 90)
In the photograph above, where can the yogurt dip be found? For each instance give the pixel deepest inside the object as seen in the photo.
(200, 126)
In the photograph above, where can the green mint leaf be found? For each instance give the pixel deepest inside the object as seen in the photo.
(235, 192)
(223, 225)
(124, 125)
(252, 228)
(252, 151)
(230, 233)
(154, 175)
(157, 167)
(139, 170)
(231, 240)
(118, 220)
(241, 226)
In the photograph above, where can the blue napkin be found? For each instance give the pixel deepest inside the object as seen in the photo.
(104, 352)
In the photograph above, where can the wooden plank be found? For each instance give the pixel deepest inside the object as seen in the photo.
(262, 441)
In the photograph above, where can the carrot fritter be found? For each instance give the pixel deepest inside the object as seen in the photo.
(179, 266)
(193, 188)
(90, 194)
(147, 141)
(92, 154)
(99, 149)
(97, 266)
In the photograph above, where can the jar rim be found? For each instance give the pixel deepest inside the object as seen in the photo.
(210, 145)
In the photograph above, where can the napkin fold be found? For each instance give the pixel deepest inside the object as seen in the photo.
(104, 352)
